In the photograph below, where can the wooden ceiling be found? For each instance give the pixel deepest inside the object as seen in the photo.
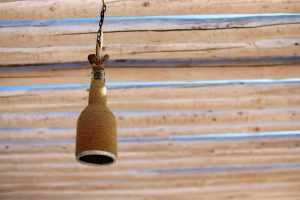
(208, 106)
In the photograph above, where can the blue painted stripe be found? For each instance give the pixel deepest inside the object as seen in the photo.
(183, 138)
(18, 129)
(225, 168)
(133, 113)
(115, 85)
(69, 21)
(38, 115)
(262, 61)
(236, 136)
(43, 87)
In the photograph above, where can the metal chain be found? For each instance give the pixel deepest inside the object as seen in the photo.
(100, 31)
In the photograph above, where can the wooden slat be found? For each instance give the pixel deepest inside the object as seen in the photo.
(212, 147)
(157, 118)
(256, 95)
(58, 177)
(131, 185)
(276, 68)
(70, 54)
(273, 192)
(68, 34)
(195, 110)
(46, 9)
(194, 153)
(35, 42)
(84, 175)
(12, 156)
(144, 165)
(201, 187)
(42, 134)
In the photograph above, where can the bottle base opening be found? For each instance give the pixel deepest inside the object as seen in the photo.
(96, 158)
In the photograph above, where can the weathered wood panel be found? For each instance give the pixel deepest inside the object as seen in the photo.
(161, 70)
(47, 9)
(177, 107)
(45, 177)
(189, 125)
(186, 140)
(33, 42)
(137, 161)
(198, 186)
(149, 32)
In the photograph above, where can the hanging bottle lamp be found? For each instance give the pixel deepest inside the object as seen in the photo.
(96, 138)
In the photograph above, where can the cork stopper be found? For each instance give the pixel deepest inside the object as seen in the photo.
(98, 62)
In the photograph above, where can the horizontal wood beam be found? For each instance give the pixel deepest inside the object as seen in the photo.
(161, 166)
(224, 147)
(187, 104)
(165, 23)
(51, 9)
(66, 119)
(161, 84)
(206, 163)
(160, 63)
(195, 188)
(48, 133)
(155, 70)
(179, 37)
(60, 54)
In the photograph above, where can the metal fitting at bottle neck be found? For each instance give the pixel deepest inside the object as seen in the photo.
(98, 74)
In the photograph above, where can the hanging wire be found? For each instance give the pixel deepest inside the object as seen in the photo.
(99, 43)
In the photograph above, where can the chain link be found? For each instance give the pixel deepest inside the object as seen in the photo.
(100, 32)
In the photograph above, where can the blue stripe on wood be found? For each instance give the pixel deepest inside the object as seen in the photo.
(130, 113)
(277, 166)
(236, 136)
(249, 18)
(263, 61)
(115, 85)
(183, 138)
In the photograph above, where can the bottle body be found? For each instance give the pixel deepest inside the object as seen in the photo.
(96, 139)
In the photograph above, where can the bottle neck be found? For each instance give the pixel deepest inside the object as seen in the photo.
(98, 74)
(97, 93)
